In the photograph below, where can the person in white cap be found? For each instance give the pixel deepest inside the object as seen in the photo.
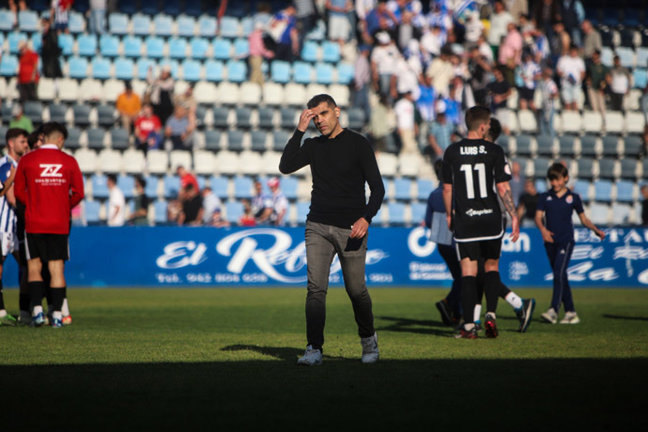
(279, 203)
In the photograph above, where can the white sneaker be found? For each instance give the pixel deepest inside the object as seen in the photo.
(550, 316)
(570, 318)
(370, 351)
(312, 357)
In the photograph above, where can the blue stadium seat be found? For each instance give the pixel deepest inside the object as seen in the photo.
(132, 46)
(310, 51)
(345, 73)
(124, 69)
(640, 77)
(171, 184)
(36, 41)
(78, 67)
(118, 23)
(9, 65)
(607, 56)
(303, 208)
(219, 186)
(247, 26)
(185, 25)
(266, 117)
(151, 186)
(162, 25)
(221, 117)
(154, 46)
(177, 47)
(126, 183)
(100, 68)
(199, 47)
(6, 20)
(160, 210)
(279, 139)
(424, 189)
(34, 111)
(207, 26)
(403, 189)
(57, 113)
(234, 211)
(541, 185)
(236, 71)
(324, 73)
(287, 118)
(229, 27)
(173, 64)
(73, 140)
(540, 166)
(258, 140)
(585, 168)
(289, 187)
(330, 52)
(222, 49)
(66, 43)
(523, 145)
(603, 191)
(76, 23)
(87, 45)
(191, 70)
(91, 209)
(606, 168)
(626, 56)
(280, 71)
(95, 137)
(235, 140)
(214, 70)
(629, 168)
(544, 145)
(588, 146)
(100, 186)
(566, 144)
(106, 116)
(418, 212)
(241, 48)
(14, 39)
(642, 57)
(243, 117)
(28, 21)
(581, 187)
(625, 191)
(302, 72)
(242, 187)
(119, 138)
(143, 65)
(396, 213)
(141, 24)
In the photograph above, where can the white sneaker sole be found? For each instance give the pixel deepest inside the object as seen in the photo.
(548, 318)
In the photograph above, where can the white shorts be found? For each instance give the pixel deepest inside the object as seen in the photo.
(9, 242)
(339, 27)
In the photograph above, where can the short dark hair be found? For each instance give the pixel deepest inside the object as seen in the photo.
(112, 178)
(476, 116)
(495, 129)
(318, 99)
(54, 127)
(15, 133)
(140, 181)
(557, 170)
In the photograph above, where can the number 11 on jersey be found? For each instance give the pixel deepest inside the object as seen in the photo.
(481, 174)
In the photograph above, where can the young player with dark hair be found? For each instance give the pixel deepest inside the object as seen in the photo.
(554, 219)
(16, 141)
(341, 161)
(472, 168)
(49, 183)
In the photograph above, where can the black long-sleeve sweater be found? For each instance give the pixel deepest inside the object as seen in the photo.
(340, 166)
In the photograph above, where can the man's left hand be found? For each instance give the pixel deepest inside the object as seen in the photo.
(359, 228)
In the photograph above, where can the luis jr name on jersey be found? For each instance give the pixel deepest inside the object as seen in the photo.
(472, 150)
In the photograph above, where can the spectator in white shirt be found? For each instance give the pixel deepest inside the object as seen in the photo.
(405, 120)
(383, 63)
(213, 209)
(571, 69)
(116, 203)
(279, 203)
(619, 84)
(499, 21)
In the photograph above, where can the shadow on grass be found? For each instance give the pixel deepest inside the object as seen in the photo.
(408, 325)
(622, 317)
(391, 395)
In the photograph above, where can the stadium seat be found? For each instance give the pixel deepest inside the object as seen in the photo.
(409, 165)
(73, 141)
(233, 211)
(250, 94)
(91, 210)
(243, 117)
(110, 161)
(221, 117)
(6, 20)
(141, 24)
(280, 139)
(625, 191)
(302, 211)
(545, 145)
(236, 71)
(640, 78)
(585, 168)
(90, 90)
(330, 52)
(599, 213)
(607, 168)
(124, 68)
(96, 138)
(126, 183)
(81, 115)
(87, 45)
(118, 23)
(9, 65)
(28, 21)
(34, 111)
(199, 47)
(541, 185)
(252, 163)
(387, 163)
(154, 46)
(78, 67)
(621, 214)
(634, 123)
(567, 146)
(100, 186)
(57, 113)
(302, 72)
(402, 189)
(13, 39)
(280, 71)
(134, 162)
(345, 72)
(582, 188)
(171, 186)
(340, 93)
(87, 159)
(418, 212)
(642, 57)
(112, 88)
(527, 121)
(626, 56)
(397, 214)
(266, 117)
(241, 48)
(592, 122)
(288, 118)
(603, 191)
(101, 68)
(142, 67)
(207, 26)
(588, 144)
(571, 122)
(177, 47)
(214, 71)
(162, 25)
(235, 140)
(243, 187)
(357, 119)
(424, 188)
(295, 94)
(108, 45)
(172, 64)
(273, 94)
(540, 166)
(213, 140)
(611, 146)
(157, 161)
(66, 43)
(119, 138)
(229, 27)
(524, 145)
(228, 93)
(324, 73)
(222, 49)
(179, 158)
(186, 25)
(191, 70)
(310, 51)
(76, 22)
(220, 186)
(203, 162)
(614, 122)
(629, 167)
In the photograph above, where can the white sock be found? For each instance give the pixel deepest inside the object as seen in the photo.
(57, 315)
(477, 312)
(514, 300)
(37, 310)
(3, 313)
(65, 309)
(469, 326)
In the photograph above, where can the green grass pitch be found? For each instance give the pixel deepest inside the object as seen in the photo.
(224, 359)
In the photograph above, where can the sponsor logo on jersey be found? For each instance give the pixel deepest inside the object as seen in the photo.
(569, 199)
(473, 212)
(51, 170)
(549, 199)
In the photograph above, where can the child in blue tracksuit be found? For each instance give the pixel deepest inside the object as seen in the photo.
(554, 219)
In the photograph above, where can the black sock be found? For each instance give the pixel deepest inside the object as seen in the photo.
(2, 305)
(58, 294)
(23, 301)
(492, 285)
(36, 293)
(65, 292)
(48, 293)
(468, 297)
(503, 291)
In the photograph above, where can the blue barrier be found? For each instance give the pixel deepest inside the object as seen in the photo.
(175, 256)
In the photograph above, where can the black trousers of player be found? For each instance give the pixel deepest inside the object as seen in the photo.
(449, 255)
(322, 243)
(559, 255)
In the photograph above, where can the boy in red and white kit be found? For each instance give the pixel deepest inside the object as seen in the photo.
(49, 183)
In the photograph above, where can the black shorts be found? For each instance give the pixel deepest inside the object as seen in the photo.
(526, 93)
(486, 249)
(47, 247)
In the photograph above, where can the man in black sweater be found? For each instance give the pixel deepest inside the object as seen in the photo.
(341, 161)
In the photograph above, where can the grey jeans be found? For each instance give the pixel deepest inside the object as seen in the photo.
(322, 243)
